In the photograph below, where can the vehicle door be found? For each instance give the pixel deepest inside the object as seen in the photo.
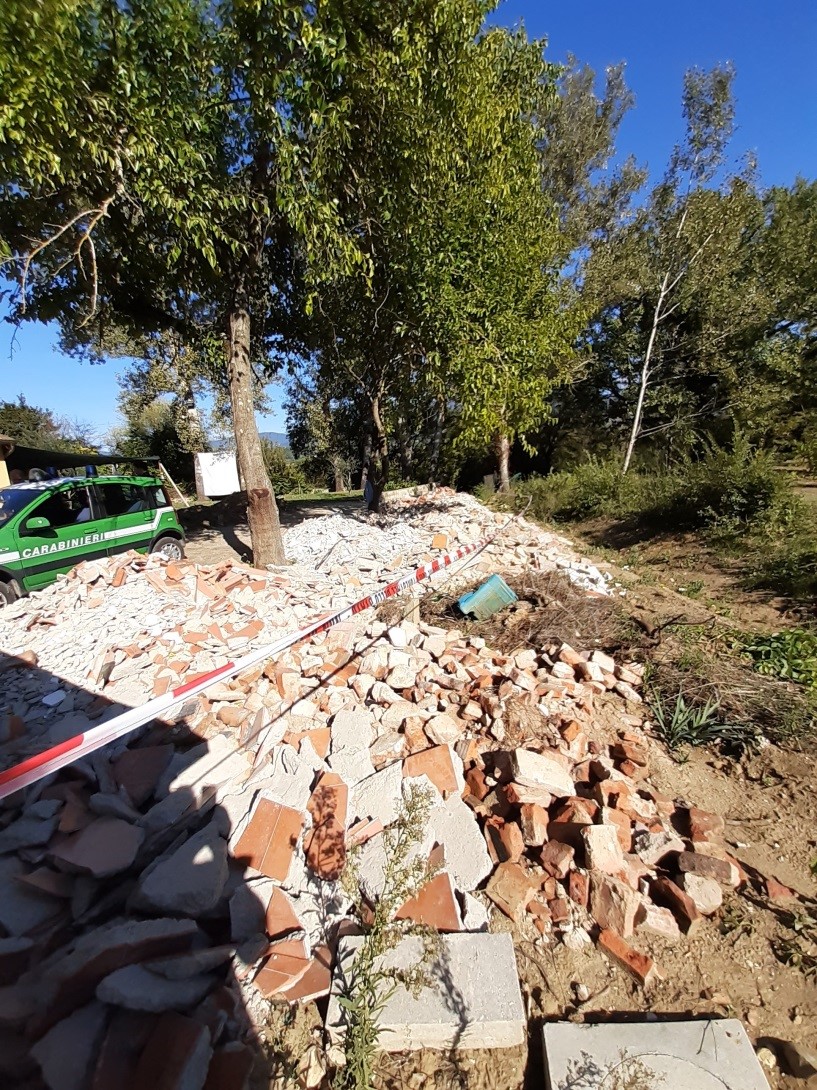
(131, 511)
(64, 528)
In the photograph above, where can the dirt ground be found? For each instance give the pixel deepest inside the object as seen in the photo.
(214, 534)
(744, 961)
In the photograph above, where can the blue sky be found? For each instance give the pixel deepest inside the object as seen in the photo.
(773, 44)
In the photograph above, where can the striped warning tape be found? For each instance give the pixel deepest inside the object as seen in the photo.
(43, 764)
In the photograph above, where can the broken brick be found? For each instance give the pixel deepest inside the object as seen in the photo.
(533, 820)
(511, 888)
(578, 888)
(707, 866)
(556, 858)
(602, 849)
(777, 892)
(614, 904)
(639, 966)
(666, 892)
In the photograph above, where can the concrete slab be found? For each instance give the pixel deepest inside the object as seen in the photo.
(473, 999)
(695, 1055)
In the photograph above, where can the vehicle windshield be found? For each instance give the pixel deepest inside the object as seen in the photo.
(13, 500)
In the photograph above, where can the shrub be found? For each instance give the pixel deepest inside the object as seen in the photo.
(685, 723)
(791, 655)
(285, 474)
(732, 489)
(725, 492)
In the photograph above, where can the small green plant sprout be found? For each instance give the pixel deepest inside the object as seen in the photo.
(692, 588)
(798, 947)
(370, 986)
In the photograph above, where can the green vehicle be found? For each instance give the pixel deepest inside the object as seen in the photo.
(46, 527)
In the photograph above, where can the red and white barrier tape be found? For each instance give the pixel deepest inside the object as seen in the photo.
(43, 764)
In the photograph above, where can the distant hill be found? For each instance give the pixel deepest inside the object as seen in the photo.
(278, 437)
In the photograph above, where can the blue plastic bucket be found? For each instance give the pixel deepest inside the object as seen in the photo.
(493, 595)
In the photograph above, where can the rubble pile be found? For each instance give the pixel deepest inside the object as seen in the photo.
(383, 547)
(157, 895)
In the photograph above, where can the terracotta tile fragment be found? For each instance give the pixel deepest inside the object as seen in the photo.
(230, 1068)
(435, 905)
(325, 844)
(285, 965)
(177, 1049)
(436, 763)
(139, 770)
(316, 981)
(281, 917)
(270, 838)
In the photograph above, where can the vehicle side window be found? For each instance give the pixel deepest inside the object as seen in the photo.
(65, 508)
(158, 497)
(124, 499)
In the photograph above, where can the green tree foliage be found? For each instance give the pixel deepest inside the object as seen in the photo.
(32, 426)
(151, 431)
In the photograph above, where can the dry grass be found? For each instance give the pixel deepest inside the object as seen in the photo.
(549, 610)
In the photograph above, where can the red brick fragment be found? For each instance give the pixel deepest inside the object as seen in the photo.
(578, 888)
(777, 892)
(638, 965)
(665, 892)
(511, 888)
(556, 858)
(533, 820)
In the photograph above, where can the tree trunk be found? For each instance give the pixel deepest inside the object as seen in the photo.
(437, 444)
(367, 460)
(645, 375)
(337, 470)
(502, 449)
(379, 472)
(404, 450)
(262, 512)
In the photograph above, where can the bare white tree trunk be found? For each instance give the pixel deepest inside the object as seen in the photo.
(658, 316)
(645, 375)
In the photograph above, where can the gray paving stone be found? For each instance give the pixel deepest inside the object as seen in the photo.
(709, 1054)
(473, 998)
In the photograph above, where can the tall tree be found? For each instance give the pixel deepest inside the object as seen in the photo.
(668, 250)
(182, 143)
(503, 320)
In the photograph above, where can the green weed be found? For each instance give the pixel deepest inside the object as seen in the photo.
(693, 588)
(370, 985)
(790, 655)
(682, 723)
(798, 947)
(735, 919)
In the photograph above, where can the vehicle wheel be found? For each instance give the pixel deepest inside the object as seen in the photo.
(9, 592)
(169, 547)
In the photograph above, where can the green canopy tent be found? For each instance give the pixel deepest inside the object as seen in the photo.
(15, 456)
